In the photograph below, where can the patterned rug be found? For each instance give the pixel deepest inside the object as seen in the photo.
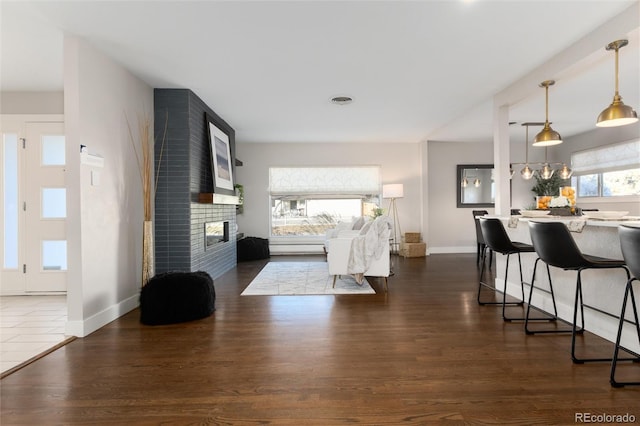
(302, 278)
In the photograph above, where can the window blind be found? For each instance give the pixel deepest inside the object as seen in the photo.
(620, 156)
(319, 181)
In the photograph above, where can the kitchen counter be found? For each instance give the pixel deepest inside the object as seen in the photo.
(601, 288)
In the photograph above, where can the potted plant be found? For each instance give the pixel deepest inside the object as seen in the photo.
(548, 195)
(239, 189)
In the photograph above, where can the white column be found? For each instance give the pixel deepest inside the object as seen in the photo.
(501, 157)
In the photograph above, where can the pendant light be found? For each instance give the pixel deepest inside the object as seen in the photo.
(546, 172)
(465, 181)
(476, 183)
(526, 173)
(565, 172)
(547, 135)
(617, 114)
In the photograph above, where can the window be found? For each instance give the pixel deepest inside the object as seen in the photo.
(306, 201)
(608, 171)
(10, 199)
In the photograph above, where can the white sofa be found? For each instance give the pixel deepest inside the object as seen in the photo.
(361, 253)
(345, 229)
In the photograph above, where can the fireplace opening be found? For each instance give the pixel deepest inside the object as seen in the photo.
(215, 232)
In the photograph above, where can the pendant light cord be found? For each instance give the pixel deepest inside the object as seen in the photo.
(526, 146)
(617, 94)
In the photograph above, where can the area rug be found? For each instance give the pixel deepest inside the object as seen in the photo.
(302, 278)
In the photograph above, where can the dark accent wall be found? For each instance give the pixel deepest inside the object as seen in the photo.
(184, 171)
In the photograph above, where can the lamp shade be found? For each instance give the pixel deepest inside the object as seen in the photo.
(527, 173)
(546, 172)
(617, 114)
(393, 190)
(547, 137)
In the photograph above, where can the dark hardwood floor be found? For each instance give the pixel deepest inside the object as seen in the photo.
(424, 353)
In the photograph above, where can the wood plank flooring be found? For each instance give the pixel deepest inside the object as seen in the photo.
(424, 353)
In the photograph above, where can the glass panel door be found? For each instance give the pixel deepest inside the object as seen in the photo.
(46, 208)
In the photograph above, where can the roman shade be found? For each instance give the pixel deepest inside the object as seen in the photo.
(620, 156)
(324, 181)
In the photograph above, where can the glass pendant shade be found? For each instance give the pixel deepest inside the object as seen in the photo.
(617, 114)
(526, 172)
(565, 172)
(476, 183)
(546, 172)
(465, 182)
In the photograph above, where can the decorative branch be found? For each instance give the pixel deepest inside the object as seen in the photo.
(144, 152)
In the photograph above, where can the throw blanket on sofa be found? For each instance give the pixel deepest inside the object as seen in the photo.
(365, 248)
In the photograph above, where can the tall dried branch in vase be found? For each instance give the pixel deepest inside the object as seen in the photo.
(144, 157)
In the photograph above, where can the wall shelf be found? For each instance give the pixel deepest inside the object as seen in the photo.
(212, 198)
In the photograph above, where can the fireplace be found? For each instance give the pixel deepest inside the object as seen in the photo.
(215, 232)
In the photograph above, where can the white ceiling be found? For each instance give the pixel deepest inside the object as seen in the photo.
(418, 70)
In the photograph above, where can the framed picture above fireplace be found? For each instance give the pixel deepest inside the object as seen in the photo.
(221, 160)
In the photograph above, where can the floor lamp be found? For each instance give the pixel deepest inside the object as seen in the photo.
(394, 191)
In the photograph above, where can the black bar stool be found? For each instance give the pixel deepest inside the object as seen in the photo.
(630, 245)
(481, 249)
(556, 247)
(497, 240)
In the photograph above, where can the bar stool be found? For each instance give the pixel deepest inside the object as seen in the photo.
(497, 240)
(630, 245)
(556, 247)
(481, 249)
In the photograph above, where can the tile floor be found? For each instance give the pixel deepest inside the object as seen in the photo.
(29, 325)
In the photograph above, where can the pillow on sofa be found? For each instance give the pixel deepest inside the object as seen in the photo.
(342, 226)
(358, 223)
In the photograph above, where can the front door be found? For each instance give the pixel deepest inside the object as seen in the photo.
(34, 209)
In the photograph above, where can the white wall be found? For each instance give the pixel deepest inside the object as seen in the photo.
(400, 164)
(451, 229)
(105, 220)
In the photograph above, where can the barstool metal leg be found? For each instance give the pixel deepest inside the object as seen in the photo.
(553, 299)
(575, 359)
(627, 292)
(504, 293)
(482, 283)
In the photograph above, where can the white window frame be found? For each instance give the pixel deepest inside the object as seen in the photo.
(331, 182)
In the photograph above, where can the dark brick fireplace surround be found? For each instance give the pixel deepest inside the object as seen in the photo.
(184, 172)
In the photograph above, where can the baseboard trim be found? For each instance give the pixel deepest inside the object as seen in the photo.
(450, 250)
(102, 318)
